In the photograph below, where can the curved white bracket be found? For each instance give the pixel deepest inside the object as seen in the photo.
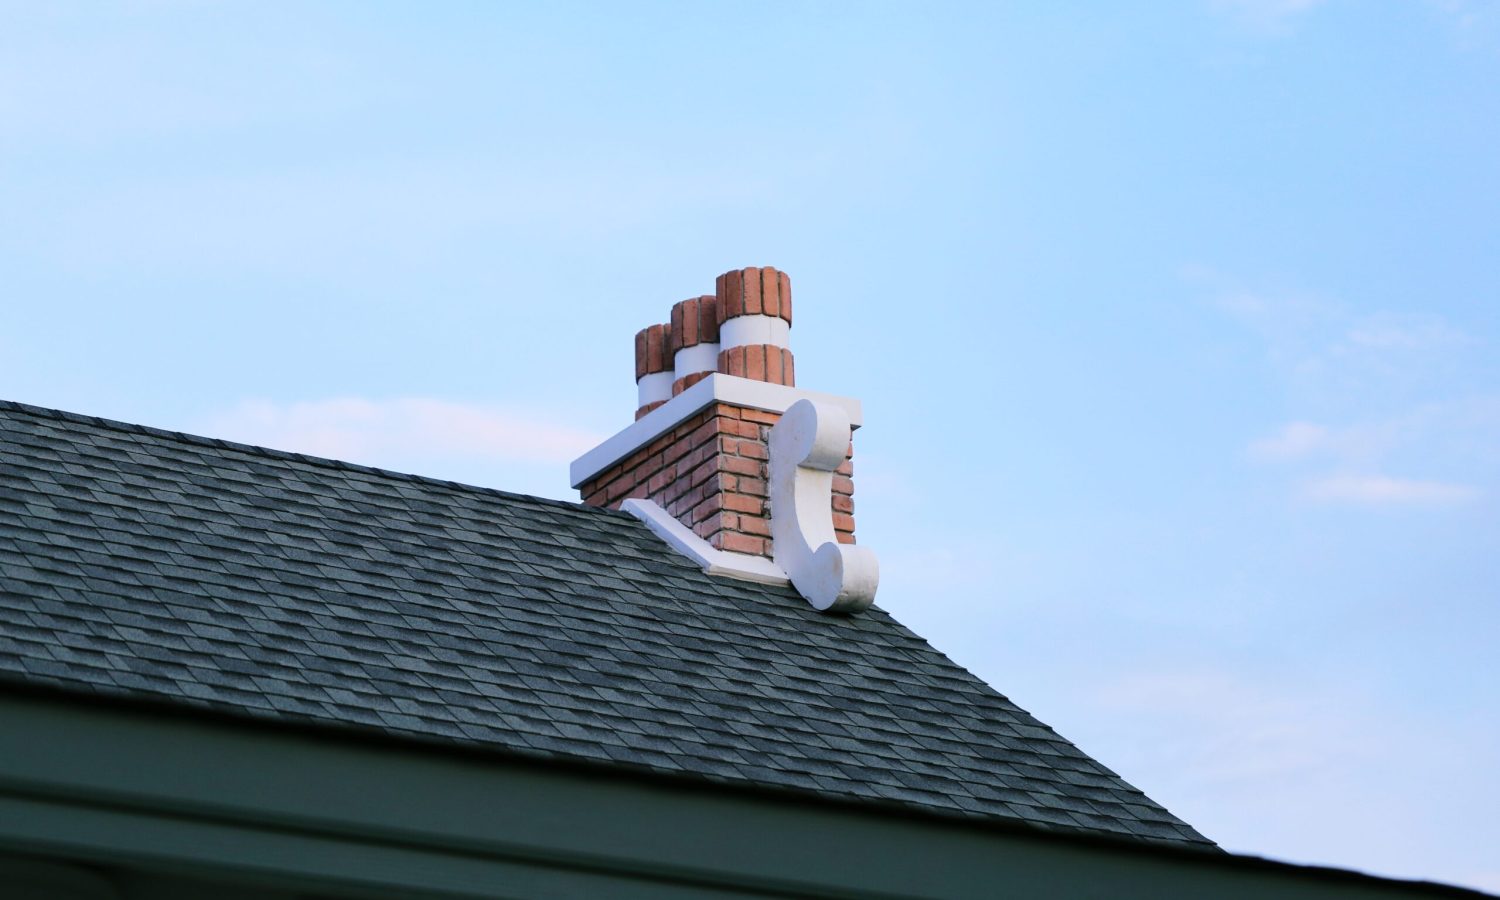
(807, 444)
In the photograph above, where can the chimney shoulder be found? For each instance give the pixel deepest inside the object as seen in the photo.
(757, 397)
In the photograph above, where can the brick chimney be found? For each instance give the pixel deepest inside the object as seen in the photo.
(697, 463)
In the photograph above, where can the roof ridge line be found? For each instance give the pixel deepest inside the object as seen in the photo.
(255, 449)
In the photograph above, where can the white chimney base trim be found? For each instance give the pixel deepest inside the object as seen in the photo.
(713, 560)
(716, 388)
(807, 445)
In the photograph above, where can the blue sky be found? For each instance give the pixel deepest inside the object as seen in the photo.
(1175, 325)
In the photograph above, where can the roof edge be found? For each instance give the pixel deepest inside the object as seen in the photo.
(175, 708)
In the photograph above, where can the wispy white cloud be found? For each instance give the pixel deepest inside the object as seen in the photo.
(1458, 437)
(1282, 762)
(1267, 8)
(394, 432)
(1383, 490)
(1388, 331)
(1363, 443)
(1475, 23)
(1265, 15)
(1294, 440)
(1411, 387)
(1298, 327)
(1320, 339)
(1235, 731)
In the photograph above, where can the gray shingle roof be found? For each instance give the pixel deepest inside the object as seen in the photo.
(144, 563)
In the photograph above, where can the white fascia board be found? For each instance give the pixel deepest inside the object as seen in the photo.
(716, 388)
(714, 561)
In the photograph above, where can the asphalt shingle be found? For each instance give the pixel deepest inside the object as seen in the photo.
(140, 562)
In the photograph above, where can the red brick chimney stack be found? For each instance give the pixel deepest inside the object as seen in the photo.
(701, 455)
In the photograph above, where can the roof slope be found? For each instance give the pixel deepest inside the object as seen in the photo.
(145, 563)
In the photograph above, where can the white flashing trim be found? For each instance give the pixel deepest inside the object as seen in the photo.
(695, 359)
(714, 561)
(807, 445)
(742, 331)
(716, 388)
(654, 387)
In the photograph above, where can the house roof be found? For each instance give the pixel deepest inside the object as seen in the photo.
(142, 563)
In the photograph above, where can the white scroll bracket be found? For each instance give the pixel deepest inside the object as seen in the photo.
(807, 445)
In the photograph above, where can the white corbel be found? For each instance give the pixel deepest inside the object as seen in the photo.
(807, 445)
